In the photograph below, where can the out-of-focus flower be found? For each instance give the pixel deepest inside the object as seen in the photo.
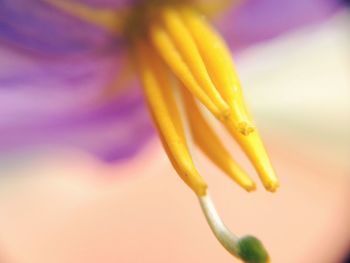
(169, 43)
(55, 67)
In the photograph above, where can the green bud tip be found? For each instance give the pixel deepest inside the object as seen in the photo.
(251, 250)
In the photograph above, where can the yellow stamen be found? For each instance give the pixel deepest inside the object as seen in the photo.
(198, 57)
(110, 20)
(255, 150)
(219, 66)
(157, 88)
(212, 146)
(170, 54)
(218, 61)
(184, 42)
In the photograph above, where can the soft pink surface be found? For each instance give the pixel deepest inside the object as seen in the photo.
(65, 212)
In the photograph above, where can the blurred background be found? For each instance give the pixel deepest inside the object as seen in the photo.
(65, 205)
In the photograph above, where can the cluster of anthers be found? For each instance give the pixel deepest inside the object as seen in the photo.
(183, 62)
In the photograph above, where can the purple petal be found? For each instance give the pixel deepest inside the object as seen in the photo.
(54, 68)
(59, 102)
(38, 26)
(109, 3)
(258, 20)
(52, 73)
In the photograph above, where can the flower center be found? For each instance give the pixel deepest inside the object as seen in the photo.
(177, 43)
(174, 47)
(197, 56)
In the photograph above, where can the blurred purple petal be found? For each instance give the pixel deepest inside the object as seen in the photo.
(258, 20)
(54, 68)
(59, 102)
(39, 26)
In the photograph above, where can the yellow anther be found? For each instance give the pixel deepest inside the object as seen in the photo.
(165, 47)
(189, 52)
(218, 61)
(255, 150)
(110, 20)
(212, 146)
(185, 34)
(158, 92)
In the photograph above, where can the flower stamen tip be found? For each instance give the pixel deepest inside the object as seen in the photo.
(272, 186)
(224, 114)
(251, 188)
(245, 128)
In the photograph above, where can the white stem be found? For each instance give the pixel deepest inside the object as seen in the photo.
(222, 233)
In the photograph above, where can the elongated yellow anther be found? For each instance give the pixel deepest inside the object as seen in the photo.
(163, 44)
(188, 50)
(255, 150)
(157, 88)
(211, 145)
(218, 61)
(110, 20)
